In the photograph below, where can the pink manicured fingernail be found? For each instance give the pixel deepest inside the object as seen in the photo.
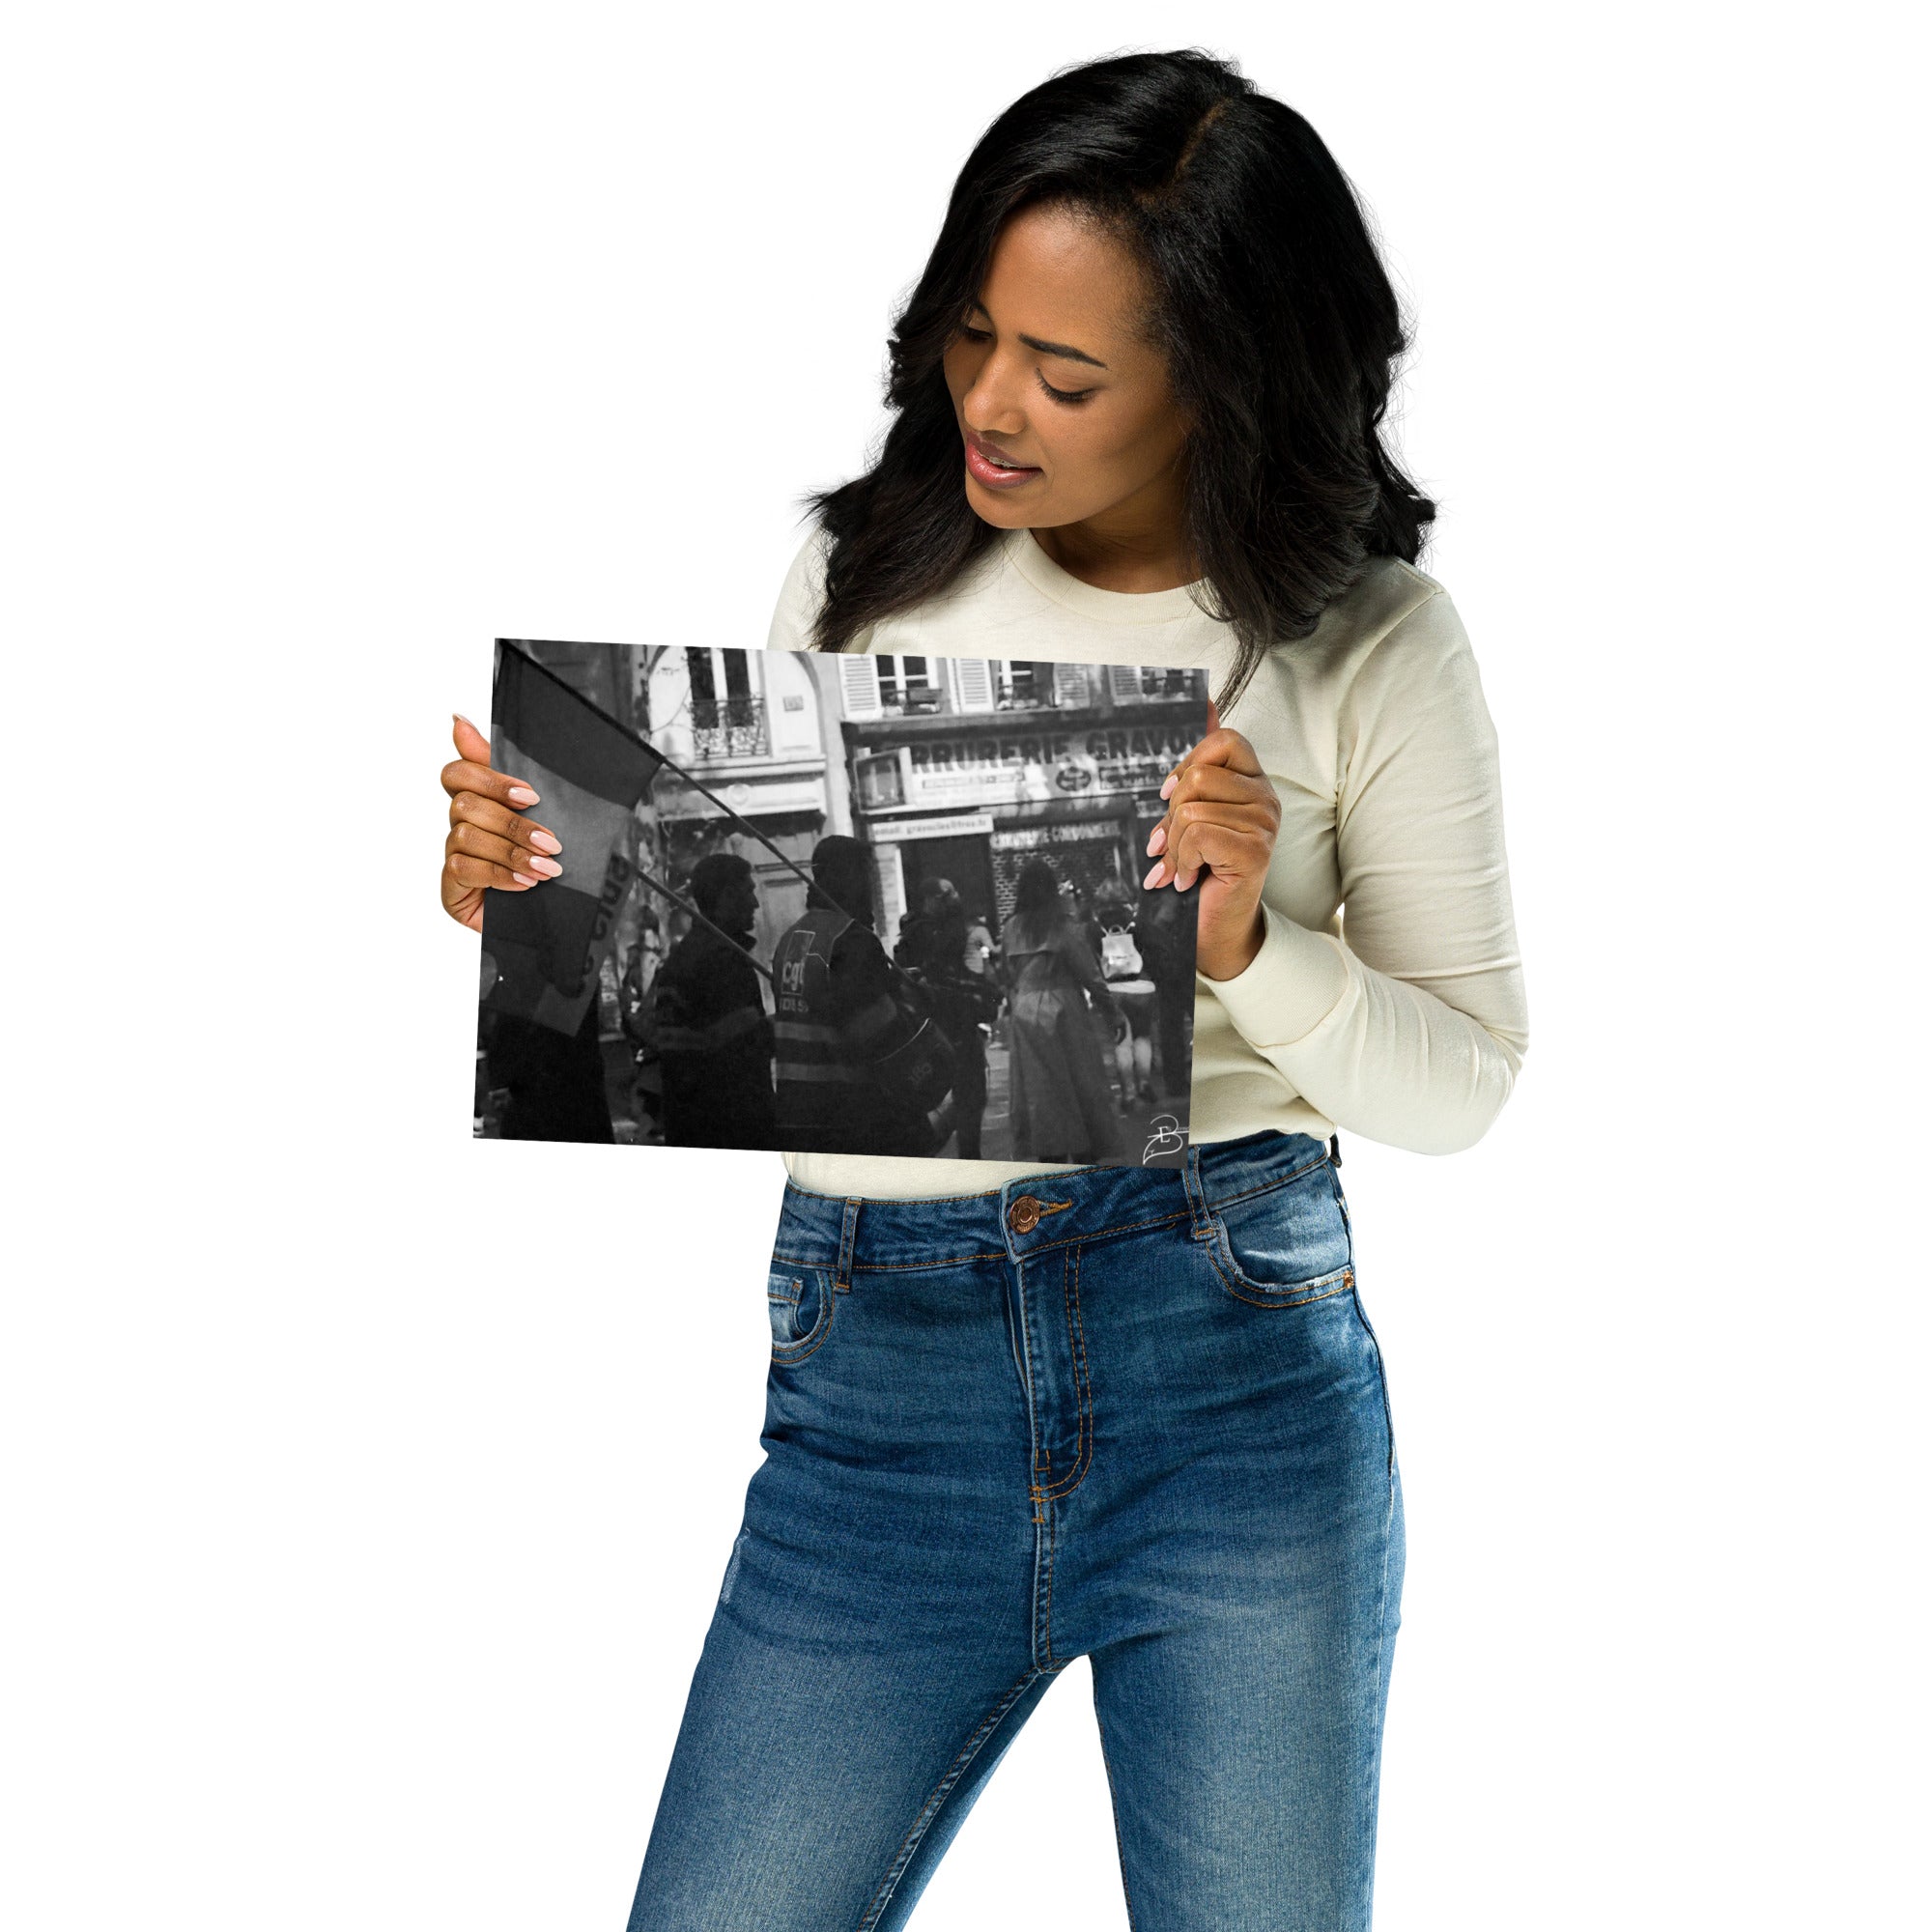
(524, 880)
(1154, 877)
(522, 794)
(1158, 840)
(1172, 780)
(548, 867)
(544, 843)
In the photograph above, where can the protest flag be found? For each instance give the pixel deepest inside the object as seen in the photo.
(547, 942)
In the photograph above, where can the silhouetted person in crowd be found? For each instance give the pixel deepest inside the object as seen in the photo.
(1063, 1103)
(555, 1080)
(1164, 934)
(713, 1035)
(1125, 967)
(934, 944)
(839, 1017)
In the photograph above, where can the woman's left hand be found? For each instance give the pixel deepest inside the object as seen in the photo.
(1222, 818)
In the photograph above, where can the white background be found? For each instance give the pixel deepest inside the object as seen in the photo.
(367, 1488)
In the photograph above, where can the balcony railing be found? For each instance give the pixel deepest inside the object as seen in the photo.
(1023, 687)
(729, 727)
(908, 700)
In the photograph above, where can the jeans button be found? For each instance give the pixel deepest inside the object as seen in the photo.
(1023, 1216)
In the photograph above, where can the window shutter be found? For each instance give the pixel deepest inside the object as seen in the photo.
(971, 684)
(1071, 685)
(1123, 682)
(859, 685)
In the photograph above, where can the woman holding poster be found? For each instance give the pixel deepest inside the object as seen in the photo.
(1022, 1413)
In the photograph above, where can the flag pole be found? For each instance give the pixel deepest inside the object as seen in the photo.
(704, 791)
(664, 763)
(784, 858)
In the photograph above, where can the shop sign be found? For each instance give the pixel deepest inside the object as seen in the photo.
(968, 769)
(1031, 838)
(754, 798)
(954, 825)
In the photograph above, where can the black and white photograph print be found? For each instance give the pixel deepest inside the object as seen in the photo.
(842, 905)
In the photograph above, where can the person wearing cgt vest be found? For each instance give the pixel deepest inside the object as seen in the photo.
(845, 1033)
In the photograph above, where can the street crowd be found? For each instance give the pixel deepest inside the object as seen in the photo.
(836, 1045)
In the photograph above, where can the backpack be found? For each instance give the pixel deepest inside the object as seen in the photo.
(1120, 956)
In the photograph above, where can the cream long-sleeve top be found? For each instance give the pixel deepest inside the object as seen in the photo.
(1387, 997)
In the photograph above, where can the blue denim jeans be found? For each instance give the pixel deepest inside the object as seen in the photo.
(1135, 1416)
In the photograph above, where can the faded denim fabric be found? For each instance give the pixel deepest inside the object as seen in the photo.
(1137, 1415)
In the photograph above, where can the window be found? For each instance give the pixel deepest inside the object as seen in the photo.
(1166, 683)
(906, 688)
(881, 781)
(727, 722)
(1131, 684)
(1022, 686)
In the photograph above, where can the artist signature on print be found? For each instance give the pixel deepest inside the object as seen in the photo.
(1166, 1138)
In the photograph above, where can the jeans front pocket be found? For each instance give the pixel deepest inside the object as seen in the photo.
(1285, 1243)
(801, 1301)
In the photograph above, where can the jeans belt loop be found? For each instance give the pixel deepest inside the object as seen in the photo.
(1197, 1194)
(848, 1237)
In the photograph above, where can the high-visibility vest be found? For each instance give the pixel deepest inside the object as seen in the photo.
(810, 1053)
(835, 1094)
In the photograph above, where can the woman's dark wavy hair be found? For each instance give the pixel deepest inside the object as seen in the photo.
(1269, 302)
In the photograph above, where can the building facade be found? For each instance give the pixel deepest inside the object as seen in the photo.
(956, 768)
(749, 727)
(965, 768)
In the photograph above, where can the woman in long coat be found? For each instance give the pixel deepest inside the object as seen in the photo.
(1063, 1103)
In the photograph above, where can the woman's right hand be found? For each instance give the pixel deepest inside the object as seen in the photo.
(490, 842)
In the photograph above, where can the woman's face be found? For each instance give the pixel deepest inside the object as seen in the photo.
(1047, 373)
